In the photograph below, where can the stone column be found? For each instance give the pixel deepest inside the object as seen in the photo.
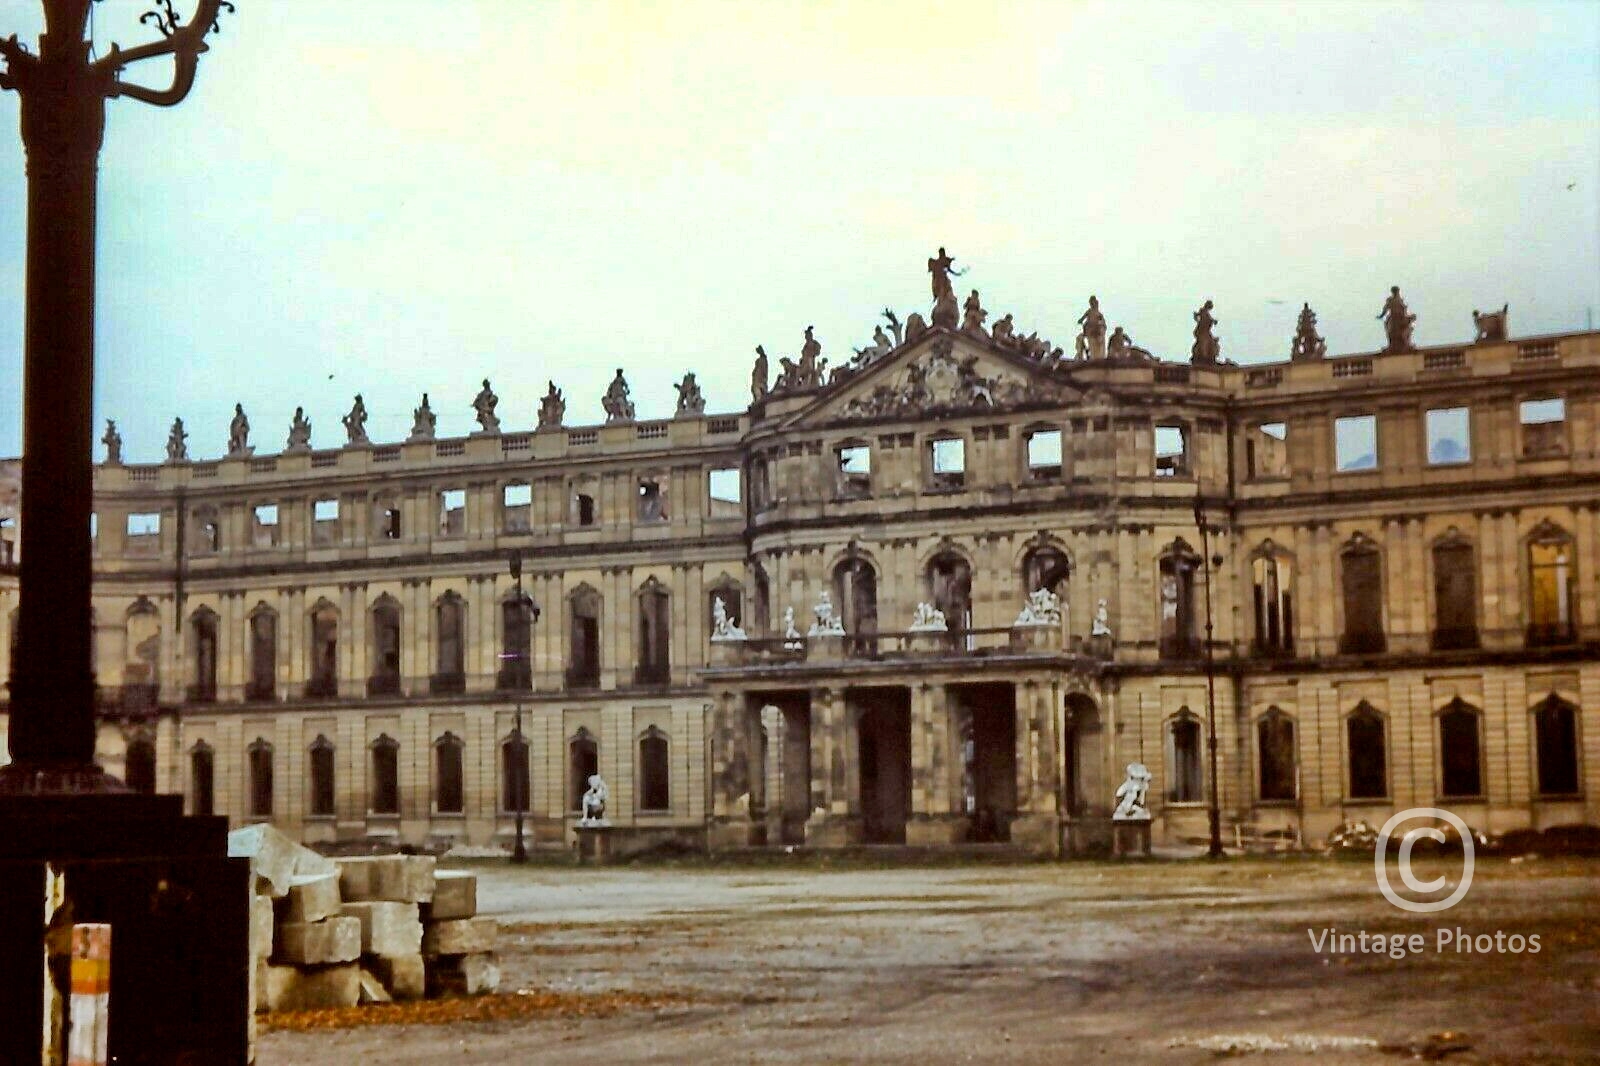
(729, 824)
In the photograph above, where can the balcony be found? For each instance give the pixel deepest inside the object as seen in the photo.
(903, 646)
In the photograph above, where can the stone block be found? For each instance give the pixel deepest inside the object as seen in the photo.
(404, 976)
(274, 858)
(387, 928)
(293, 988)
(260, 927)
(312, 898)
(395, 878)
(455, 895)
(372, 990)
(331, 940)
(463, 975)
(463, 936)
(258, 984)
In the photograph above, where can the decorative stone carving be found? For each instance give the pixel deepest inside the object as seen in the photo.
(1092, 341)
(552, 409)
(299, 432)
(942, 269)
(1043, 608)
(1120, 345)
(113, 442)
(894, 327)
(759, 375)
(239, 434)
(724, 627)
(177, 448)
(594, 804)
(810, 369)
(1207, 348)
(1101, 626)
(1004, 331)
(423, 421)
(1130, 795)
(973, 316)
(881, 346)
(1397, 322)
(928, 619)
(1308, 344)
(484, 404)
(691, 403)
(941, 384)
(827, 623)
(788, 376)
(791, 635)
(355, 423)
(618, 407)
(1492, 326)
(916, 326)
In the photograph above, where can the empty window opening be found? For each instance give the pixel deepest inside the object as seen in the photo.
(654, 767)
(855, 470)
(514, 776)
(1172, 451)
(144, 524)
(452, 512)
(585, 505)
(322, 778)
(1275, 756)
(259, 758)
(948, 458)
(725, 488)
(1266, 450)
(1044, 454)
(202, 779)
(1460, 759)
(1550, 585)
(385, 795)
(1449, 436)
(1361, 574)
(583, 762)
(1555, 729)
(1355, 443)
(449, 795)
(652, 501)
(1183, 758)
(516, 501)
(1368, 759)
(1455, 597)
(1544, 426)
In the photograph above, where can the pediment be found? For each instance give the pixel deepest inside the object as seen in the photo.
(942, 374)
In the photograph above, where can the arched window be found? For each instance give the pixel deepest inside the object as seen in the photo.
(760, 602)
(385, 678)
(259, 757)
(139, 766)
(654, 665)
(583, 647)
(583, 762)
(516, 645)
(732, 596)
(1272, 578)
(1183, 758)
(654, 793)
(1551, 579)
(263, 683)
(1460, 754)
(385, 795)
(1367, 753)
(203, 629)
(855, 592)
(322, 779)
(1177, 567)
(202, 779)
(949, 583)
(448, 792)
(1455, 595)
(515, 788)
(1045, 567)
(450, 674)
(1555, 737)
(1361, 571)
(324, 680)
(1275, 756)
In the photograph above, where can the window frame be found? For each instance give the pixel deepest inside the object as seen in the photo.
(1339, 466)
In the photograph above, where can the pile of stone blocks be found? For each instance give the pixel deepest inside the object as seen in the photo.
(370, 929)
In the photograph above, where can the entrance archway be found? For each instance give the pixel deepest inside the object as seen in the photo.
(1085, 768)
(883, 732)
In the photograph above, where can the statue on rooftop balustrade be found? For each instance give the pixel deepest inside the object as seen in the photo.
(177, 448)
(942, 269)
(973, 315)
(1092, 341)
(355, 423)
(1491, 327)
(1397, 322)
(759, 374)
(299, 432)
(811, 361)
(1308, 344)
(616, 403)
(113, 442)
(423, 422)
(484, 404)
(552, 409)
(691, 401)
(238, 433)
(1207, 348)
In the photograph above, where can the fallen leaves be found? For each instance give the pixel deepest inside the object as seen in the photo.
(505, 1006)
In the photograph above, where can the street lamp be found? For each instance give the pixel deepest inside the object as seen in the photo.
(528, 612)
(1214, 813)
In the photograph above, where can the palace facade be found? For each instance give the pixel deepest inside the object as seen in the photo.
(1390, 560)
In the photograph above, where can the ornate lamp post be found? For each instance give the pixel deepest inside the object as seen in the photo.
(529, 613)
(1214, 810)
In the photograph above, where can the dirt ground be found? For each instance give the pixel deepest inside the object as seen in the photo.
(1170, 962)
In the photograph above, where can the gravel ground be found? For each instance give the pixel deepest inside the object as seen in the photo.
(1176, 962)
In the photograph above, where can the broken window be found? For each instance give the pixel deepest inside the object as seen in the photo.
(139, 766)
(452, 512)
(855, 591)
(583, 650)
(386, 512)
(583, 762)
(1274, 602)
(385, 678)
(324, 680)
(202, 779)
(655, 635)
(1355, 443)
(1172, 450)
(1183, 758)
(259, 757)
(449, 673)
(1045, 568)
(514, 777)
(583, 503)
(724, 487)
(652, 501)
(1366, 754)
(264, 526)
(1460, 761)
(947, 462)
(1544, 427)
(207, 536)
(1361, 573)
(204, 627)
(949, 583)
(325, 522)
(1179, 639)
(654, 793)
(448, 793)
(1455, 596)
(1275, 756)
(263, 655)
(144, 533)
(1555, 733)
(516, 659)
(322, 794)
(385, 794)
(1266, 450)
(1043, 450)
(1449, 435)
(855, 470)
(1550, 586)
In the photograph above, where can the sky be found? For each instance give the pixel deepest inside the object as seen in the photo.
(398, 196)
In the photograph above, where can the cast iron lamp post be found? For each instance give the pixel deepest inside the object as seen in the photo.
(530, 613)
(1214, 811)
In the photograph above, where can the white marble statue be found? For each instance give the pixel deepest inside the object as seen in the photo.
(724, 627)
(928, 619)
(1131, 795)
(594, 804)
(828, 623)
(1101, 627)
(1042, 609)
(791, 635)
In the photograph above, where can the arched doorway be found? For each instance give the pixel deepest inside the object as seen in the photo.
(1085, 772)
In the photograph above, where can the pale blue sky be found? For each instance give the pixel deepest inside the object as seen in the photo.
(413, 195)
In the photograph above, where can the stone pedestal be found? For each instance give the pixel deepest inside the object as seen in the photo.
(727, 652)
(927, 641)
(1130, 839)
(825, 648)
(832, 830)
(594, 845)
(1036, 637)
(926, 830)
(1038, 833)
(728, 834)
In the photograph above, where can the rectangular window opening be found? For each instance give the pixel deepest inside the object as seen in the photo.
(1172, 451)
(948, 457)
(453, 512)
(1355, 441)
(1449, 436)
(1266, 450)
(724, 485)
(1544, 426)
(144, 524)
(1044, 454)
(855, 470)
(652, 501)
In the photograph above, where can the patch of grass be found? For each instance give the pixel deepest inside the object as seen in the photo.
(503, 1006)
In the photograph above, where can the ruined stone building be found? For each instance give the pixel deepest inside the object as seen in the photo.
(1401, 563)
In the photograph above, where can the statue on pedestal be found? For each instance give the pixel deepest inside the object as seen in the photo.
(1101, 626)
(691, 403)
(552, 409)
(618, 407)
(1491, 327)
(724, 627)
(484, 404)
(238, 433)
(791, 635)
(827, 623)
(1043, 608)
(1307, 343)
(1004, 331)
(759, 375)
(1120, 345)
(973, 315)
(942, 268)
(1397, 322)
(594, 803)
(1131, 795)
(1207, 349)
(299, 432)
(929, 619)
(811, 361)
(113, 442)
(355, 423)
(1093, 337)
(423, 421)
(177, 449)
